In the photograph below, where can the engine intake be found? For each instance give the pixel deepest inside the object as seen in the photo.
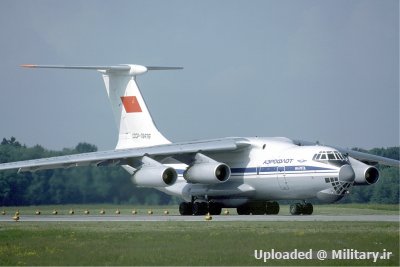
(371, 175)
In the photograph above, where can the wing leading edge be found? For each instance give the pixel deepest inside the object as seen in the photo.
(370, 159)
(124, 156)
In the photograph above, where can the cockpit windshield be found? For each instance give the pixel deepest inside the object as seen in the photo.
(331, 157)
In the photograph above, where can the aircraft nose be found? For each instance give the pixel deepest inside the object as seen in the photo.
(346, 174)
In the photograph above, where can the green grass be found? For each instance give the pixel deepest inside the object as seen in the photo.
(191, 243)
(355, 209)
(188, 243)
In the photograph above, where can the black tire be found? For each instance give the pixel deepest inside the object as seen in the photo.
(308, 209)
(214, 208)
(185, 208)
(259, 209)
(272, 208)
(295, 209)
(199, 208)
(243, 210)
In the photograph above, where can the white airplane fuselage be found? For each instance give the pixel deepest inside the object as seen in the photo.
(270, 169)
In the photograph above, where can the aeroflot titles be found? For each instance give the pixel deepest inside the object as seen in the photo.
(277, 161)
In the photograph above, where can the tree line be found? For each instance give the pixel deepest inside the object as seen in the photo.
(113, 184)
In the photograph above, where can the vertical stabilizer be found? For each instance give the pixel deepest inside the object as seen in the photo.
(135, 124)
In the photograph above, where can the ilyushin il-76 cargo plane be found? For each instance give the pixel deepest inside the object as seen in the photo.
(249, 174)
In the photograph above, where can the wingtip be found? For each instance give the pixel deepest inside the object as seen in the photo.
(28, 66)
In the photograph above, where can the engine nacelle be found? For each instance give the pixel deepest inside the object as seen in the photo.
(365, 174)
(207, 173)
(155, 176)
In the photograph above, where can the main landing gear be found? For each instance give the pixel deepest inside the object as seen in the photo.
(259, 208)
(301, 208)
(254, 208)
(200, 208)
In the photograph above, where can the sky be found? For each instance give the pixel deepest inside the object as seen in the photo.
(324, 71)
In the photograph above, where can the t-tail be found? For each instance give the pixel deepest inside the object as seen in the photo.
(135, 124)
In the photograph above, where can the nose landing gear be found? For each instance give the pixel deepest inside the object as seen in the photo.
(301, 208)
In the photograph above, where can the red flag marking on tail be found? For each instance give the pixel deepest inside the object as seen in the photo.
(131, 104)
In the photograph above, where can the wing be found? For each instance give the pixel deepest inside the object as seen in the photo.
(127, 156)
(361, 156)
(370, 159)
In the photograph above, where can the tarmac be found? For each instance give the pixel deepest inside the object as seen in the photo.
(218, 218)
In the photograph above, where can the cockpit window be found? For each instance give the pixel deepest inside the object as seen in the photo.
(331, 157)
(339, 156)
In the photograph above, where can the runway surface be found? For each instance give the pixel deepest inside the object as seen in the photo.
(220, 218)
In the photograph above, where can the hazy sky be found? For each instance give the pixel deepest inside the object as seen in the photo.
(312, 70)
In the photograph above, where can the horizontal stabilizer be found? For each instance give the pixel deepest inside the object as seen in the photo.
(119, 67)
(163, 68)
(129, 69)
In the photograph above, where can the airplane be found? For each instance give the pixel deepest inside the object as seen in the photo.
(250, 174)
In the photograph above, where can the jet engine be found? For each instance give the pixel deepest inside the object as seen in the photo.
(159, 176)
(365, 174)
(152, 173)
(207, 173)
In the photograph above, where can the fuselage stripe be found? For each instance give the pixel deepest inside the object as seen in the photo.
(275, 169)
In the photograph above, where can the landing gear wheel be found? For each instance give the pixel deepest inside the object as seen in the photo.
(199, 208)
(308, 209)
(299, 208)
(258, 208)
(296, 209)
(272, 208)
(243, 210)
(214, 208)
(186, 208)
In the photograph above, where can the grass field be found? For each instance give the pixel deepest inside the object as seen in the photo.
(192, 243)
